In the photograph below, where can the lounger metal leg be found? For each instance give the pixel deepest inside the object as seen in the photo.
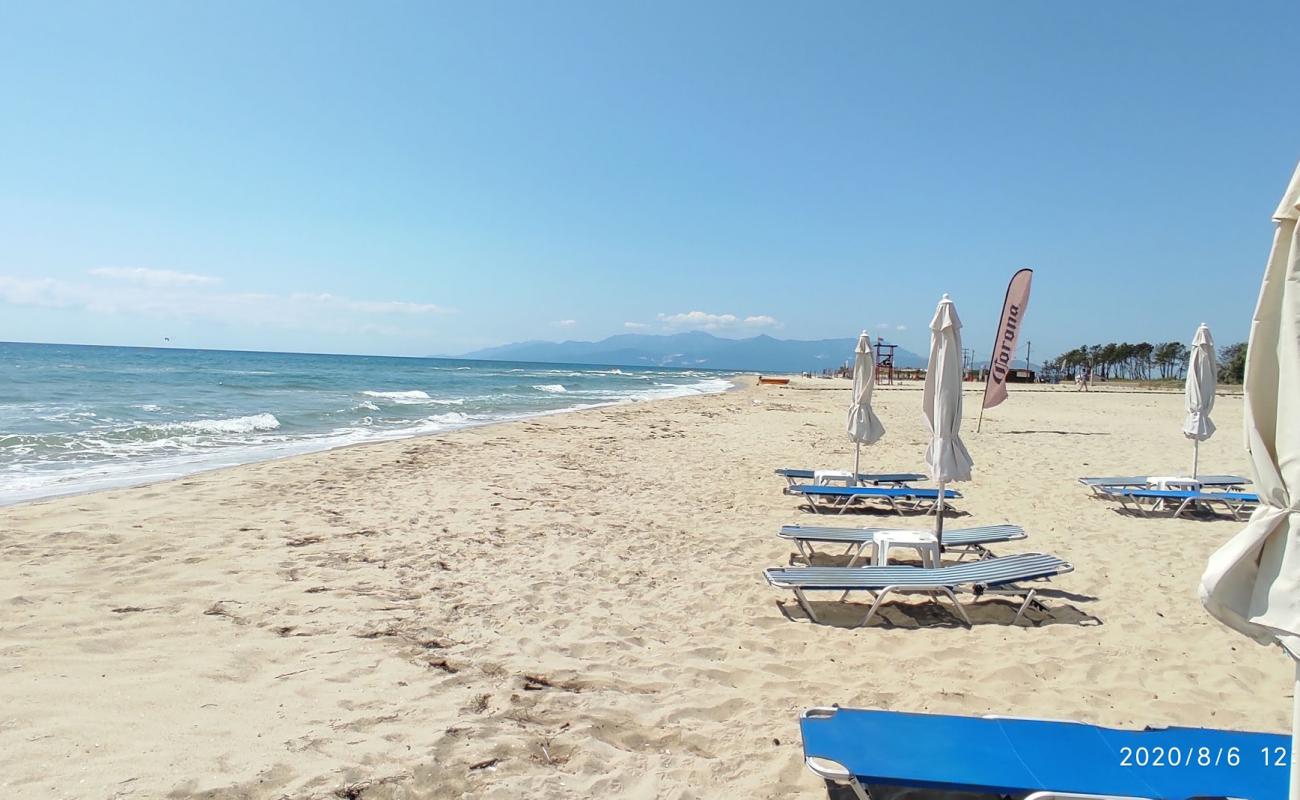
(805, 605)
(871, 612)
(1029, 598)
(859, 790)
(857, 556)
(1183, 506)
(961, 612)
(806, 553)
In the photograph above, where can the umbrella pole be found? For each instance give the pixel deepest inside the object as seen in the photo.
(857, 454)
(1196, 456)
(938, 520)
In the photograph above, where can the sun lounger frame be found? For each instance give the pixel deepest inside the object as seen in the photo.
(881, 582)
(844, 497)
(795, 477)
(962, 541)
(1234, 502)
(1099, 485)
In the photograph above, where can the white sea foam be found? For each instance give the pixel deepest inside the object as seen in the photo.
(368, 406)
(414, 394)
(552, 388)
(249, 424)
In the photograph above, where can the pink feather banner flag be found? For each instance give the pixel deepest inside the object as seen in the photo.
(1004, 346)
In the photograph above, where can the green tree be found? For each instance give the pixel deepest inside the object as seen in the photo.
(1232, 363)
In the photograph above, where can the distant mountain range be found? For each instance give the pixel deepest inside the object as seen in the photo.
(694, 349)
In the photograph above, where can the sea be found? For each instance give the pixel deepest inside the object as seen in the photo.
(76, 418)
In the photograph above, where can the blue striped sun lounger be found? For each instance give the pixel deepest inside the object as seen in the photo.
(824, 498)
(966, 541)
(1097, 485)
(992, 576)
(1037, 759)
(1148, 501)
(794, 477)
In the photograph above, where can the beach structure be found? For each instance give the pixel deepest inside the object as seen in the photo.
(885, 358)
(1250, 583)
(864, 427)
(1202, 378)
(992, 577)
(823, 499)
(1037, 759)
(946, 458)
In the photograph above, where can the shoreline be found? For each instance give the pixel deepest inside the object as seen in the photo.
(308, 447)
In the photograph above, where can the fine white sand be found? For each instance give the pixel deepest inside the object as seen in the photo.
(574, 607)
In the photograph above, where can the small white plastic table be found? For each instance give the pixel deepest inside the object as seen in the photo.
(924, 543)
(825, 477)
(1174, 483)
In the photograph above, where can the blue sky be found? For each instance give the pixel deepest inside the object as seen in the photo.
(425, 178)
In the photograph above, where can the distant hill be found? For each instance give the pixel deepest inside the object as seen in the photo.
(693, 349)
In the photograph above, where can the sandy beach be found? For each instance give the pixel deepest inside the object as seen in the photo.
(573, 606)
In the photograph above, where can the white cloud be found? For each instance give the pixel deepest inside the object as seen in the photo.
(635, 326)
(701, 320)
(565, 323)
(900, 327)
(884, 326)
(147, 295)
(154, 277)
(370, 306)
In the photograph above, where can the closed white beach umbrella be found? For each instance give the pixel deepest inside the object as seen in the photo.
(864, 426)
(1252, 583)
(1202, 379)
(946, 458)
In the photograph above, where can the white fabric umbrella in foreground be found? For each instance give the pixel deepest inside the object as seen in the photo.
(864, 426)
(946, 458)
(1252, 583)
(1202, 379)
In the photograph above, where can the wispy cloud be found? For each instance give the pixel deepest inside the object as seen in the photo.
(166, 294)
(370, 306)
(635, 326)
(900, 327)
(154, 277)
(702, 320)
(884, 326)
(565, 323)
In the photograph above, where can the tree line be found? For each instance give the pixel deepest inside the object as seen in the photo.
(1142, 362)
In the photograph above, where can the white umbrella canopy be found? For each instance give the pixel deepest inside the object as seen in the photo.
(864, 425)
(1202, 380)
(946, 459)
(1252, 583)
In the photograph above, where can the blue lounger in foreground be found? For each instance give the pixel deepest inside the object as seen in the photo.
(842, 497)
(1031, 759)
(992, 576)
(1145, 501)
(967, 540)
(794, 476)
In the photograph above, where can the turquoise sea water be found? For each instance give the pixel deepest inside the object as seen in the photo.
(75, 418)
